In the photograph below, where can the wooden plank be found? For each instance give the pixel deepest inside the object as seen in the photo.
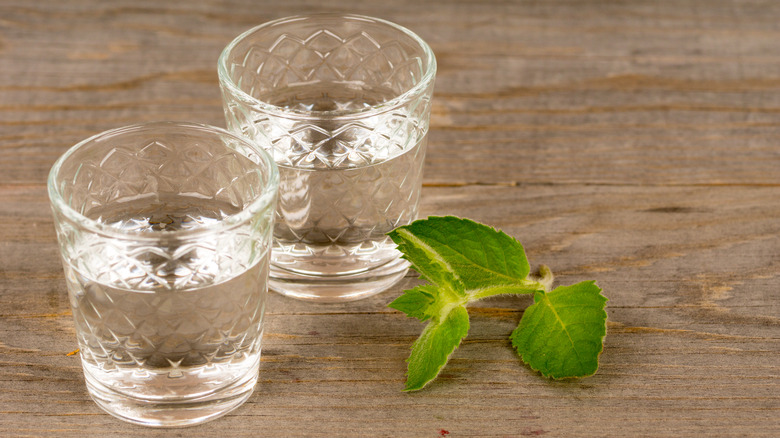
(634, 143)
(692, 348)
(608, 84)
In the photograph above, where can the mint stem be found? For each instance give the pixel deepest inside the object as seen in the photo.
(524, 287)
(542, 283)
(546, 277)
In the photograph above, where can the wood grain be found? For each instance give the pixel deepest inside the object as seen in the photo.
(634, 143)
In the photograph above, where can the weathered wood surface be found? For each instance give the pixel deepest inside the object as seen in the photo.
(635, 143)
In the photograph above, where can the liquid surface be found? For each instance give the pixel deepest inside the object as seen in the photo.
(328, 97)
(326, 140)
(174, 214)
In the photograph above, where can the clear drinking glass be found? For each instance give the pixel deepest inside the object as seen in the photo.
(342, 103)
(164, 231)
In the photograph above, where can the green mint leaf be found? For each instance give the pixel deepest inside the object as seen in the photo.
(417, 302)
(424, 258)
(433, 348)
(561, 335)
(465, 255)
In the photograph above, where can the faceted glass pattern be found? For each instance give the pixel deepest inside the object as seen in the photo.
(164, 231)
(342, 103)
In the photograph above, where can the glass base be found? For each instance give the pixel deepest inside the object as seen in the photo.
(337, 288)
(180, 412)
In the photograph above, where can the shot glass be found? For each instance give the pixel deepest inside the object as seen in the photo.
(342, 103)
(165, 235)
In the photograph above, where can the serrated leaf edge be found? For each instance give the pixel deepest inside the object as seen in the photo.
(598, 354)
(444, 262)
(443, 364)
(403, 294)
(411, 237)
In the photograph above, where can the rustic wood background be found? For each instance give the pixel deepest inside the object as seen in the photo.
(632, 142)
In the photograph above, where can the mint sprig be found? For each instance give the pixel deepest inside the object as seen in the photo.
(560, 335)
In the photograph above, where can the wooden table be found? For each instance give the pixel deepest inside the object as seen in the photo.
(636, 143)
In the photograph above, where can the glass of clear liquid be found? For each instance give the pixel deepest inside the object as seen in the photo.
(342, 103)
(165, 235)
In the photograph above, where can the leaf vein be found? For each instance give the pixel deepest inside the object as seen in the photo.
(429, 250)
(563, 326)
(473, 263)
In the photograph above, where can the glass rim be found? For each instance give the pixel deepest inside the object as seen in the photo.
(400, 99)
(262, 201)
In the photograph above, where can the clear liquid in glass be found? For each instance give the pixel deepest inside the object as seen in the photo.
(172, 322)
(343, 186)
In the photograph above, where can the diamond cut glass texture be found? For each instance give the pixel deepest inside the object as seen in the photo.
(342, 103)
(164, 232)
(335, 65)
